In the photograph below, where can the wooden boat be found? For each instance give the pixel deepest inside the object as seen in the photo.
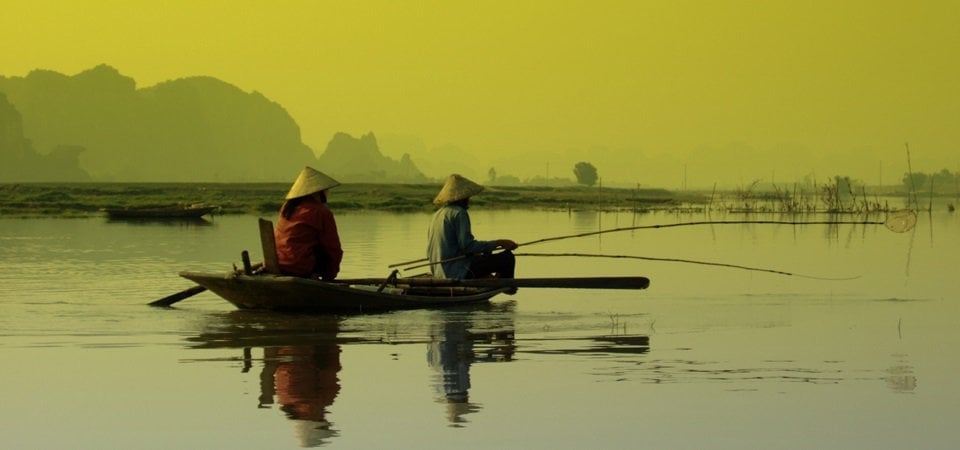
(162, 212)
(287, 293)
(263, 287)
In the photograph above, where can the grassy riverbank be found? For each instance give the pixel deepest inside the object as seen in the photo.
(81, 199)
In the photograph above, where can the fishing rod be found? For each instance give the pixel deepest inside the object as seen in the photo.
(688, 261)
(899, 221)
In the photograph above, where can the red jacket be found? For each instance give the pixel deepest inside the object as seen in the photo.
(308, 242)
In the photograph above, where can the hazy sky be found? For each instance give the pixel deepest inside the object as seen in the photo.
(724, 91)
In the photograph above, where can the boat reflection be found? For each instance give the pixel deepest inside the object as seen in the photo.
(301, 355)
(165, 221)
(610, 345)
(300, 368)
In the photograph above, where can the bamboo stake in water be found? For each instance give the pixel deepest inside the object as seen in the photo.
(913, 187)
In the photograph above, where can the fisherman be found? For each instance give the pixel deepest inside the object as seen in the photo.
(452, 250)
(308, 244)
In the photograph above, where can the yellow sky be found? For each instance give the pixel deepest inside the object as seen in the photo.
(730, 90)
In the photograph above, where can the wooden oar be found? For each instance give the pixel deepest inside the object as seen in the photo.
(190, 292)
(566, 283)
(171, 299)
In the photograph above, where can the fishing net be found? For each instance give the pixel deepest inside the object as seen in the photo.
(901, 221)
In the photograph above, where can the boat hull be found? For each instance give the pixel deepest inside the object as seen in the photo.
(193, 212)
(286, 293)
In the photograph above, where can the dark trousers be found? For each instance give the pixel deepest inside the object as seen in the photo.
(493, 265)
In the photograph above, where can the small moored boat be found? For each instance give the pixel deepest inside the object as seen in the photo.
(162, 212)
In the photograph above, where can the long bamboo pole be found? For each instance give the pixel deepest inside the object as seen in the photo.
(708, 222)
(567, 282)
(688, 261)
(891, 223)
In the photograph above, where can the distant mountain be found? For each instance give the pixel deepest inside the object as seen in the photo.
(435, 162)
(19, 162)
(350, 159)
(189, 129)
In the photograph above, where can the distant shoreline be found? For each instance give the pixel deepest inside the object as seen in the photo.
(90, 199)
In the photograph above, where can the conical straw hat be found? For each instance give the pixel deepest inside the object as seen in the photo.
(457, 188)
(310, 181)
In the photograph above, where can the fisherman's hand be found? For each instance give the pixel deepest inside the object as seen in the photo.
(507, 244)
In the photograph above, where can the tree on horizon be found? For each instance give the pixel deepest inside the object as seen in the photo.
(586, 173)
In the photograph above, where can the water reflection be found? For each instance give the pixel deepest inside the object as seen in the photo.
(585, 220)
(456, 343)
(185, 222)
(301, 355)
(301, 364)
(900, 377)
(304, 381)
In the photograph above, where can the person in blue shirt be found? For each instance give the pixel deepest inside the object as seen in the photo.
(452, 250)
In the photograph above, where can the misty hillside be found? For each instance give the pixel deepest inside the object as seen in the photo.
(349, 159)
(435, 162)
(190, 129)
(20, 162)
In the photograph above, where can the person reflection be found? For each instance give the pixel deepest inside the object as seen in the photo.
(305, 383)
(452, 350)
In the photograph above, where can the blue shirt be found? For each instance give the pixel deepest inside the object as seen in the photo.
(450, 236)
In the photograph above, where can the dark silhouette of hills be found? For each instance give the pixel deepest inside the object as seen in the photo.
(189, 129)
(98, 126)
(20, 162)
(354, 160)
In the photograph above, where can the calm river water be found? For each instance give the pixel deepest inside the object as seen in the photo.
(707, 357)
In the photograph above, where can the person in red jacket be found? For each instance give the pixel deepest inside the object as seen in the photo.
(308, 244)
